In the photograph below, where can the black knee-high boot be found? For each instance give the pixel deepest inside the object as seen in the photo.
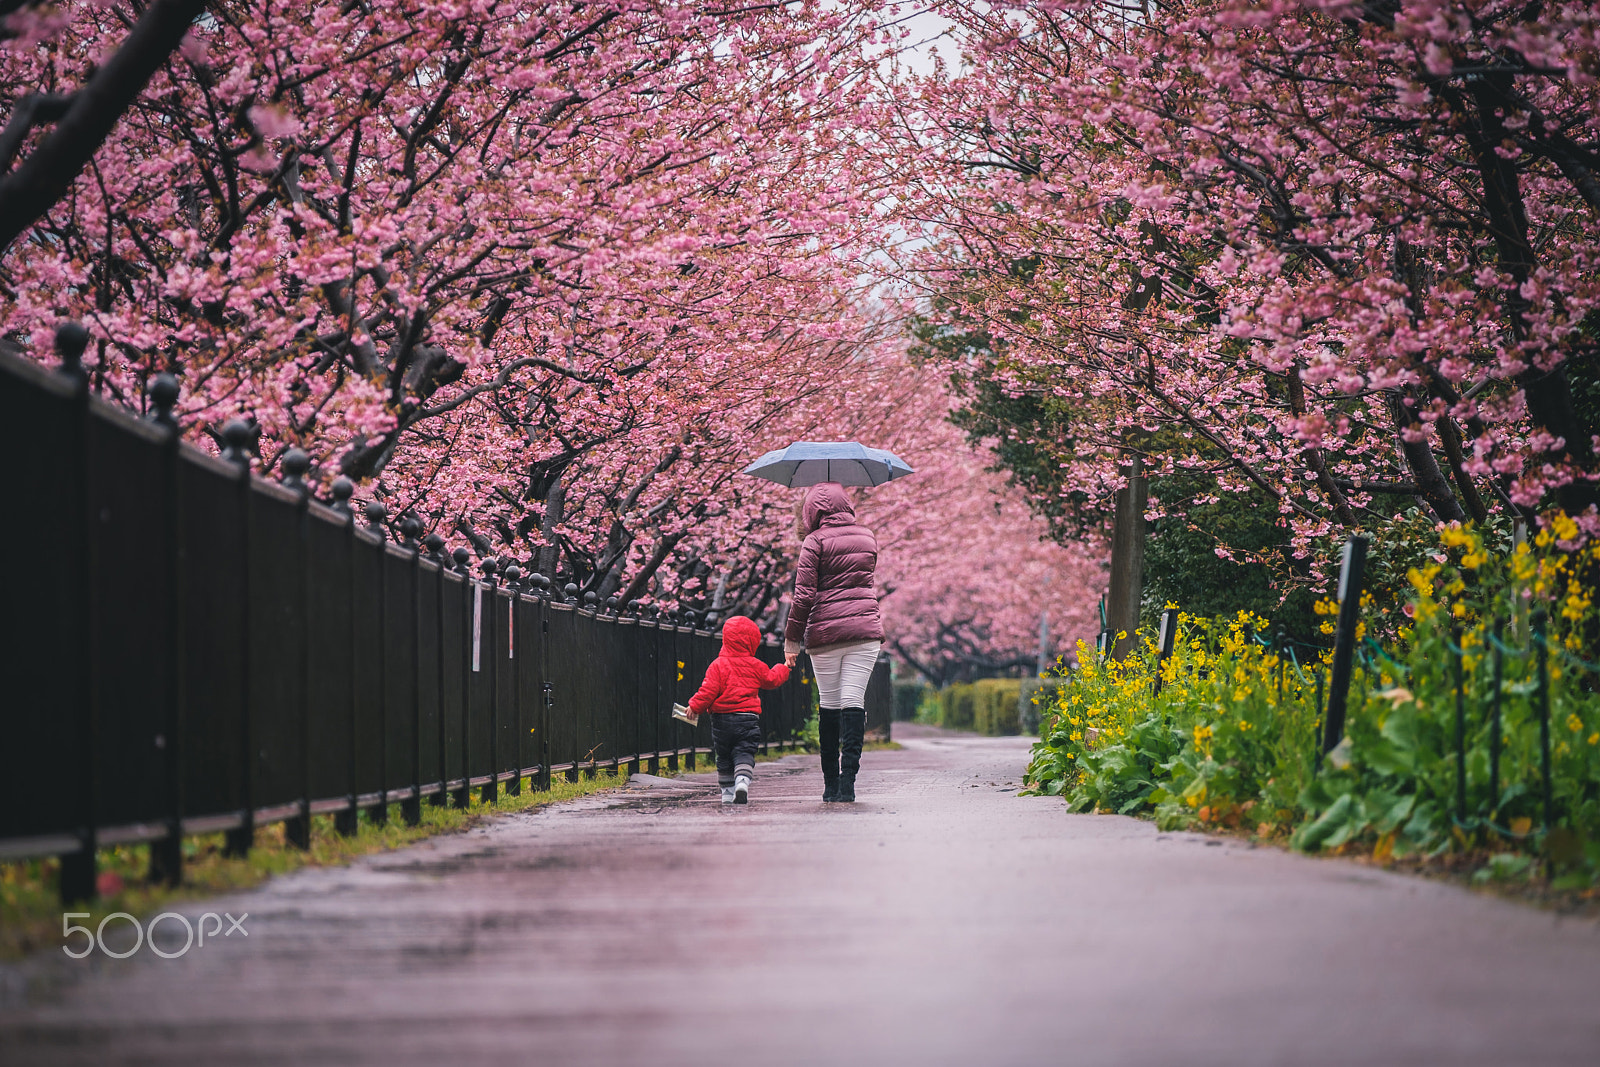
(828, 736)
(852, 732)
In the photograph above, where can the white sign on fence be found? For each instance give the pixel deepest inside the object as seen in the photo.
(477, 623)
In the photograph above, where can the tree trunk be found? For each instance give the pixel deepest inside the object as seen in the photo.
(1127, 564)
(1432, 486)
(550, 553)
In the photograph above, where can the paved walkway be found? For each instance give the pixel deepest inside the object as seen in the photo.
(941, 920)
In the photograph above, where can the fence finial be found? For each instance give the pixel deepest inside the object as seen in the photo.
(513, 575)
(295, 463)
(163, 390)
(410, 530)
(611, 605)
(463, 559)
(590, 599)
(376, 514)
(570, 593)
(435, 546)
(236, 435)
(342, 490)
(71, 340)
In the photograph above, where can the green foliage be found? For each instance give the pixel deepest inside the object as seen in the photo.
(810, 736)
(995, 707)
(1234, 736)
(907, 700)
(989, 706)
(1030, 434)
(957, 706)
(1181, 565)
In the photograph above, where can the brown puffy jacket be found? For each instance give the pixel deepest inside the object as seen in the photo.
(835, 601)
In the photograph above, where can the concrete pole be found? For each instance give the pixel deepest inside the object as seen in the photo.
(1044, 644)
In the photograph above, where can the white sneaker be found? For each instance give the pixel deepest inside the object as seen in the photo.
(741, 790)
(727, 796)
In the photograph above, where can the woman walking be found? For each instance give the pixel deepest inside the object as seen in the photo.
(834, 617)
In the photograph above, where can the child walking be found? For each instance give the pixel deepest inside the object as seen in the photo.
(731, 693)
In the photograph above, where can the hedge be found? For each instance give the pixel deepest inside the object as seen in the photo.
(989, 706)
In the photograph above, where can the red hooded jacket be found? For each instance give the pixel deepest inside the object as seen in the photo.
(735, 678)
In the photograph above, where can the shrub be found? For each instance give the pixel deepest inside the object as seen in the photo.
(988, 706)
(957, 707)
(1234, 737)
(995, 706)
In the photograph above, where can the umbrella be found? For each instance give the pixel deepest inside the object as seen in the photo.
(845, 462)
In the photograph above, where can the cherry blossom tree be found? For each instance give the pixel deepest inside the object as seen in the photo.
(1340, 256)
(545, 277)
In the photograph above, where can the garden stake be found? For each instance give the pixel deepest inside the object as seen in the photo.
(1542, 705)
(1461, 727)
(1494, 722)
(1169, 633)
(1350, 576)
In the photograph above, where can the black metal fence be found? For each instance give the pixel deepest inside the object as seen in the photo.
(192, 649)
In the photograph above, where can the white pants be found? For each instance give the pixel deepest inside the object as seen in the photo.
(843, 673)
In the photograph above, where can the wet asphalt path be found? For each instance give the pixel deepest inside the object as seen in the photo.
(941, 920)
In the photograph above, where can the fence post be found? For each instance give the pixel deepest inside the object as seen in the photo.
(514, 583)
(1168, 637)
(347, 821)
(236, 434)
(541, 593)
(487, 645)
(411, 810)
(1352, 571)
(463, 796)
(1494, 719)
(376, 515)
(435, 545)
(1461, 726)
(166, 853)
(1541, 663)
(78, 869)
(295, 463)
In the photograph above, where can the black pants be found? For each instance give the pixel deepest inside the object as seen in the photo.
(840, 734)
(735, 738)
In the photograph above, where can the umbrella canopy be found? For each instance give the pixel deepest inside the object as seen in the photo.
(845, 462)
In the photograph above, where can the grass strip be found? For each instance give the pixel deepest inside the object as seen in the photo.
(30, 909)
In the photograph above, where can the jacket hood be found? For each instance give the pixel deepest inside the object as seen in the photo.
(824, 501)
(740, 636)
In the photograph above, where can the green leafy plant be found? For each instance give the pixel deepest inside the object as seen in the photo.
(1233, 737)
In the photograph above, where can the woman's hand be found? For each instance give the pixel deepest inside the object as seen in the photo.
(790, 659)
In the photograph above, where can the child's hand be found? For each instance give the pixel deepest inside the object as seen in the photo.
(790, 659)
